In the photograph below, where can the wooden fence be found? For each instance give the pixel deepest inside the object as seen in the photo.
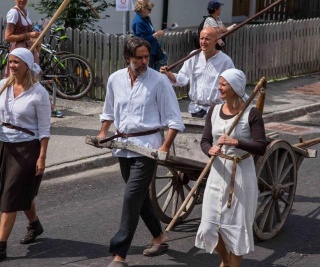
(289, 9)
(275, 50)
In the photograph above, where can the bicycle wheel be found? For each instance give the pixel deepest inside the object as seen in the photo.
(4, 53)
(73, 76)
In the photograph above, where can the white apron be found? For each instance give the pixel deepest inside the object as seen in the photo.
(234, 224)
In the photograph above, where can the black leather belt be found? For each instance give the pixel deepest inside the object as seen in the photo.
(21, 129)
(126, 135)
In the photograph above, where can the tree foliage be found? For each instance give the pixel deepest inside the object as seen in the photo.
(76, 15)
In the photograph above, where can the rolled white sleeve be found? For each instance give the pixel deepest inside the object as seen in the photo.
(43, 109)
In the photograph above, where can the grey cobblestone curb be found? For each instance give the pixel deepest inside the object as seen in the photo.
(107, 159)
(290, 113)
(77, 166)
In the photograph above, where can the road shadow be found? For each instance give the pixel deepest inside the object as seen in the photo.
(60, 248)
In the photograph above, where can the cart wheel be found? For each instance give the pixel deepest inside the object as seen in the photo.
(168, 190)
(277, 182)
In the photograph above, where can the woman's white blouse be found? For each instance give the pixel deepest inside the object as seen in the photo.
(30, 110)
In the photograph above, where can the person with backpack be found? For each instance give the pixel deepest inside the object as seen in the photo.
(202, 72)
(213, 20)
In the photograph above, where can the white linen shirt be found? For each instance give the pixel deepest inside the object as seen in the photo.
(13, 17)
(150, 104)
(30, 110)
(203, 76)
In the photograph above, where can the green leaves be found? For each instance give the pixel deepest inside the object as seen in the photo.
(76, 15)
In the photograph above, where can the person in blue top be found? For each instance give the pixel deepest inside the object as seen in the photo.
(142, 27)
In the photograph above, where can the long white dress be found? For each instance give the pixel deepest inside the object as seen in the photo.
(234, 224)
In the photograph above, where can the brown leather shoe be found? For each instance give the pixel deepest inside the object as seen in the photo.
(118, 264)
(156, 250)
(34, 229)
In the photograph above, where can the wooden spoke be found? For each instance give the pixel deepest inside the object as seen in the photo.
(265, 193)
(285, 172)
(288, 184)
(265, 215)
(277, 182)
(271, 214)
(168, 199)
(175, 203)
(278, 212)
(168, 190)
(269, 175)
(164, 189)
(281, 162)
(182, 196)
(275, 164)
(285, 201)
(264, 203)
(265, 183)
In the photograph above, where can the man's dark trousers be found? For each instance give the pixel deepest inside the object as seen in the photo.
(137, 173)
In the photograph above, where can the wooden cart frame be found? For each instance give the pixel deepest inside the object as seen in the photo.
(276, 172)
(174, 196)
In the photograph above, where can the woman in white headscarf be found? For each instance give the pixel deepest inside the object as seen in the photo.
(25, 114)
(228, 211)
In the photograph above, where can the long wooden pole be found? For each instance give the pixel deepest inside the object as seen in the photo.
(93, 10)
(308, 143)
(52, 20)
(208, 165)
(261, 98)
(226, 34)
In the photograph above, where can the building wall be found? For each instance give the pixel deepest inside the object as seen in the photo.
(187, 13)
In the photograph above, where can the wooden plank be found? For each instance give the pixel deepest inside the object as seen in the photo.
(121, 61)
(113, 53)
(73, 36)
(76, 42)
(97, 65)
(106, 63)
(83, 44)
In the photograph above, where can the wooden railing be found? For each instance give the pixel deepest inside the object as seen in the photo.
(274, 51)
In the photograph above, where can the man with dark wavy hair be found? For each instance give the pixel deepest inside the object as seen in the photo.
(139, 102)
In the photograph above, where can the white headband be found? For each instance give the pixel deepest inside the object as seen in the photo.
(237, 80)
(27, 57)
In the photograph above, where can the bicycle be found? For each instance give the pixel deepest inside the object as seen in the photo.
(72, 74)
(4, 53)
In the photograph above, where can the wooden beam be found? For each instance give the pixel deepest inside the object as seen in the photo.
(52, 20)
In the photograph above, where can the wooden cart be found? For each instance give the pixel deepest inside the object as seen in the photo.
(175, 175)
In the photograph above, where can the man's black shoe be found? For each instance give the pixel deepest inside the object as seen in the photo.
(34, 229)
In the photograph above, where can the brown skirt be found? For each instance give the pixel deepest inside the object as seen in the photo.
(18, 181)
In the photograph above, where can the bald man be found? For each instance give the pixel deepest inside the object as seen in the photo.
(202, 71)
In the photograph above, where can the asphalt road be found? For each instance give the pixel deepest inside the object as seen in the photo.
(80, 213)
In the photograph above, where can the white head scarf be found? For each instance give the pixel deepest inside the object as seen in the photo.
(237, 80)
(27, 57)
